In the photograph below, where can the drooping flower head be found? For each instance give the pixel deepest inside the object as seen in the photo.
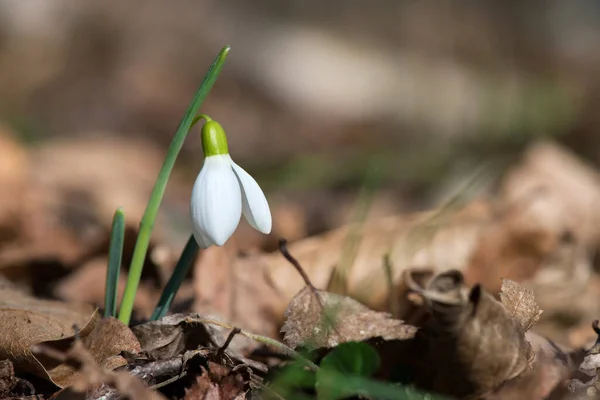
(223, 192)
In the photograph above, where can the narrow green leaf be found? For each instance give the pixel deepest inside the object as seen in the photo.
(348, 360)
(115, 255)
(147, 223)
(354, 358)
(181, 268)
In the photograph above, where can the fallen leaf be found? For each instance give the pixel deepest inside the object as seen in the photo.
(28, 321)
(171, 336)
(333, 319)
(571, 190)
(520, 303)
(472, 344)
(236, 290)
(105, 343)
(8, 380)
(91, 377)
(551, 368)
(217, 383)
(436, 239)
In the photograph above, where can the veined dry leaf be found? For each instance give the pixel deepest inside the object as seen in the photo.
(520, 303)
(27, 321)
(335, 319)
(105, 343)
(91, 377)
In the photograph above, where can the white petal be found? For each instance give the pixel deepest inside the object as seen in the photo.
(216, 205)
(254, 203)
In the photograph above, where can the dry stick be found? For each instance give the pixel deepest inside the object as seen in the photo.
(288, 351)
(283, 249)
(230, 337)
(285, 252)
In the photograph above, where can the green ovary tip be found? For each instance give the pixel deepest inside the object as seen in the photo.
(214, 140)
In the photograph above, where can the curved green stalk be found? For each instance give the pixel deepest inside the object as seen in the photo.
(115, 255)
(183, 265)
(143, 239)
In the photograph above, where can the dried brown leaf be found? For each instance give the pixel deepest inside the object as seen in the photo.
(520, 303)
(171, 336)
(27, 321)
(174, 334)
(8, 380)
(105, 343)
(217, 383)
(91, 377)
(436, 239)
(333, 319)
(472, 344)
(571, 190)
(551, 367)
(236, 290)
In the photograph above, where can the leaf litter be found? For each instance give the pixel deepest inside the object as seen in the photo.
(466, 287)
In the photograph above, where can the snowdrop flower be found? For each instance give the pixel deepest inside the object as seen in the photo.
(223, 192)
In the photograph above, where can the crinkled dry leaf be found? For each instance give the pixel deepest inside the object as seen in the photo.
(27, 321)
(571, 190)
(472, 345)
(217, 383)
(8, 380)
(174, 334)
(171, 336)
(439, 239)
(91, 377)
(105, 343)
(520, 303)
(334, 319)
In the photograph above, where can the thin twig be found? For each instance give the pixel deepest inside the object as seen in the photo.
(288, 351)
(284, 251)
(230, 337)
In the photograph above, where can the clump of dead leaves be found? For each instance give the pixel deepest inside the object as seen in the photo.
(459, 325)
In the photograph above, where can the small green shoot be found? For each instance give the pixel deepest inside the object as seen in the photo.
(345, 372)
(115, 255)
(147, 223)
(181, 268)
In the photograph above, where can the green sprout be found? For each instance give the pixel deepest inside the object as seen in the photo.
(115, 255)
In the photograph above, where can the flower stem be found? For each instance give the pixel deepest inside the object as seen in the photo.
(183, 265)
(115, 255)
(147, 223)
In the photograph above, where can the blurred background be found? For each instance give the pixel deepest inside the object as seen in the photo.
(320, 100)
